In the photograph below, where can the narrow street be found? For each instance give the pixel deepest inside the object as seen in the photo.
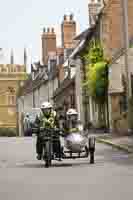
(22, 177)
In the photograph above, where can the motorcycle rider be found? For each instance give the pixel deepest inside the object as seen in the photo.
(47, 119)
(72, 120)
(74, 124)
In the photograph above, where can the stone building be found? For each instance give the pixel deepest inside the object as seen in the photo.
(12, 76)
(118, 104)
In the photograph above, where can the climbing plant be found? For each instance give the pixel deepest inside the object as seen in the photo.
(96, 72)
(96, 81)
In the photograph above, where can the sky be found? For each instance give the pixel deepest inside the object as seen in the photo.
(22, 22)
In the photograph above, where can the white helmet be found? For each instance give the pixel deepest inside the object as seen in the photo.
(71, 111)
(27, 114)
(46, 105)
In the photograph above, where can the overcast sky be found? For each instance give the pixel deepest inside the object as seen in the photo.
(22, 21)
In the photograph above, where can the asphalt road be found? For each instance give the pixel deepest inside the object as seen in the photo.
(22, 177)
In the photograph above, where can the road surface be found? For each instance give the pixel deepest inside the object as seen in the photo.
(22, 177)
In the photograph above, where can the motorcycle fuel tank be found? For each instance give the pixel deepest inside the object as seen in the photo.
(75, 142)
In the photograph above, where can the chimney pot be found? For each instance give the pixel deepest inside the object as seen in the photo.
(44, 30)
(65, 17)
(48, 30)
(52, 30)
(71, 17)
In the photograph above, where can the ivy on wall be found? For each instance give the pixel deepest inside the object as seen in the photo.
(96, 66)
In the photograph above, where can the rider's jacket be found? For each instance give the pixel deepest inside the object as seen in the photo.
(47, 120)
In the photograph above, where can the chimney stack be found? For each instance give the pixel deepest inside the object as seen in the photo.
(48, 44)
(94, 7)
(68, 31)
(65, 17)
(71, 17)
(52, 30)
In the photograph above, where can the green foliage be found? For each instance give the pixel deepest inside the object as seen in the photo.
(96, 71)
(8, 132)
(131, 45)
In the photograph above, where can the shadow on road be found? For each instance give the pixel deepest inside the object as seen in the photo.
(111, 155)
(54, 165)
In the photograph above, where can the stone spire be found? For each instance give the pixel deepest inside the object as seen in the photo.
(12, 57)
(25, 57)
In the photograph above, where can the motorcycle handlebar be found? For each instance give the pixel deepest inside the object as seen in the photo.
(59, 131)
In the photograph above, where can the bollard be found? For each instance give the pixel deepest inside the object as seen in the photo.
(92, 149)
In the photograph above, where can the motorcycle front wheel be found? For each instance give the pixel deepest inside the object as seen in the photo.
(48, 154)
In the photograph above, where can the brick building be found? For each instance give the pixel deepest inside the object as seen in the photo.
(112, 25)
(111, 35)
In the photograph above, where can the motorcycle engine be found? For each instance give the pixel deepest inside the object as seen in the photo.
(75, 142)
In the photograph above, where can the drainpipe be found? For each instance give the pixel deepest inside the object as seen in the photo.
(78, 84)
(126, 47)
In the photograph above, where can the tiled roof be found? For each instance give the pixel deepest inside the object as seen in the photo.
(32, 84)
(64, 85)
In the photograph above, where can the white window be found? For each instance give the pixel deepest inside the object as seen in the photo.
(11, 96)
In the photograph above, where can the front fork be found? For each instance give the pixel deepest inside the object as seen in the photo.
(92, 149)
(92, 160)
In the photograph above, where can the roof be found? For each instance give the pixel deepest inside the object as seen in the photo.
(75, 52)
(80, 46)
(36, 65)
(30, 84)
(83, 34)
(66, 83)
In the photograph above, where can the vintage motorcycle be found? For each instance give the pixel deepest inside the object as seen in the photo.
(75, 145)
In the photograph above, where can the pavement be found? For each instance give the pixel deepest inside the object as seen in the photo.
(22, 177)
(124, 143)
